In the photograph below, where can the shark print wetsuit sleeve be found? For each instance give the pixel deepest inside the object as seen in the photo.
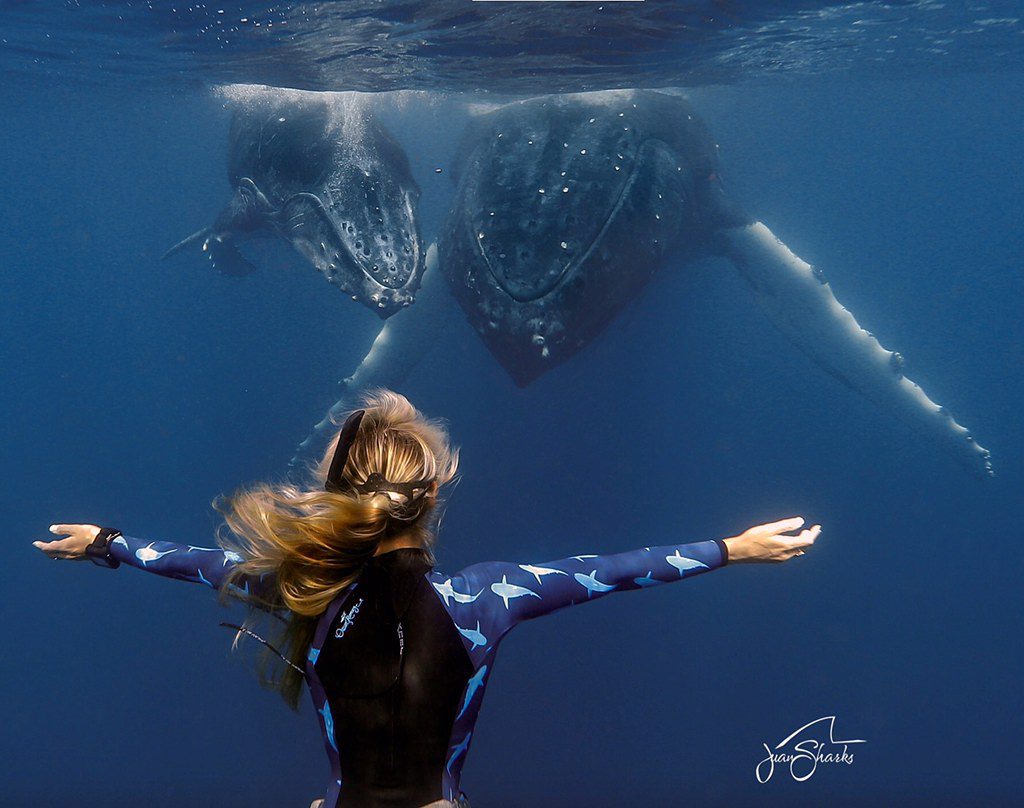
(185, 562)
(484, 601)
(498, 594)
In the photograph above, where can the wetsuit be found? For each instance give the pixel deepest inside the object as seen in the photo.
(400, 659)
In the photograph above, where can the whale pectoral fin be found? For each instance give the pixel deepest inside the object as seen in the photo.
(197, 237)
(397, 350)
(801, 304)
(221, 250)
(227, 259)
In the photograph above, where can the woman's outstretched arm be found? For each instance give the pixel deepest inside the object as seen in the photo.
(185, 562)
(500, 594)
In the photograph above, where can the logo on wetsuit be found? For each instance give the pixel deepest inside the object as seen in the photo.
(346, 619)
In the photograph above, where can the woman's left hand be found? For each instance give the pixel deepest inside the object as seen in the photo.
(73, 547)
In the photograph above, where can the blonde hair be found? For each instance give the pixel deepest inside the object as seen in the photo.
(314, 542)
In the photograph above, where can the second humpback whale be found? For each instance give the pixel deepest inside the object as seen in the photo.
(568, 204)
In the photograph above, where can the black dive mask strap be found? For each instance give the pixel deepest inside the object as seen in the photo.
(335, 482)
(376, 482)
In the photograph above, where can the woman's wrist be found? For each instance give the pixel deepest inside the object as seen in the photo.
(98, 550)
(733, 547)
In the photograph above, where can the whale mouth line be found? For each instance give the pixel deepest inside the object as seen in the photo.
(338, 250)
(572, 265)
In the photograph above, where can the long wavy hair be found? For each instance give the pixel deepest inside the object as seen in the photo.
(314, 543)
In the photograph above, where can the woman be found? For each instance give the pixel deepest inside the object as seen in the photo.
(396, 654)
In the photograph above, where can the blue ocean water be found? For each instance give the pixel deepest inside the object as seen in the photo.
(879, 141)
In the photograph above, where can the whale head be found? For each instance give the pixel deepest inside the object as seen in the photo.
(321, 172)
(566, 206)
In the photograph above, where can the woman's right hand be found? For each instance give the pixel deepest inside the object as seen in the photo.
(768, 543)
(78, 537)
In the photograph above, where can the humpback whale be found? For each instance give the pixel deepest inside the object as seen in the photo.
(567, 205)
(329, 179)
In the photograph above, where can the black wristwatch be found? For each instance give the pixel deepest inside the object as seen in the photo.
(99, 550)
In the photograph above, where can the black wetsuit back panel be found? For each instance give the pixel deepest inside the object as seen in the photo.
(394, 669)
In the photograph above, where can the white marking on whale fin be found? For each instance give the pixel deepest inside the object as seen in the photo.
(803, 307)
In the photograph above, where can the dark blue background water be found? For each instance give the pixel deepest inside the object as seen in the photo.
(135, 391)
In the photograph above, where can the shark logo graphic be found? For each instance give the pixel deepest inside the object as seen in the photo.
(537, 572)
(458, 750)
(231, 555)
(507, 591)
(591, 583)
(647, 580)
(473, 635)
(472, 686)
(682, 563)
(346, 619)
(446, 591)
(147, 553)
(325, 711)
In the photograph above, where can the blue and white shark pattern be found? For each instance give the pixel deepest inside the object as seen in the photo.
(537, 572)
(507, 591)
(473, 635)
(591, 584)
(682, 563)
(186, 562)
(506, 594)
(147, 553)
(446, 591)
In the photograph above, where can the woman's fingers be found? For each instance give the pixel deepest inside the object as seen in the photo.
(797, 545)
(783, 526)
(71, 530)
(76, 539)
(804, 538)
(60, 548)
